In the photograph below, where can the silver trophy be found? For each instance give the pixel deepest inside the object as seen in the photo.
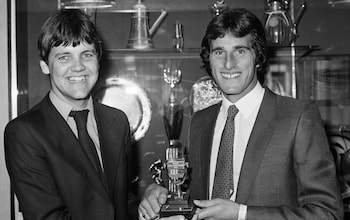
(172, 110)
(176, 169)
(175, 166)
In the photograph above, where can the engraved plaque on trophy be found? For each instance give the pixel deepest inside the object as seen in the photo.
(175, 165)
(176, 168)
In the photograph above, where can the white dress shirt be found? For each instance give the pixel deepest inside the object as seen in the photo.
(248, 107)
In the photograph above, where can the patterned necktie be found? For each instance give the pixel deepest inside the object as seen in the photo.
(85, 141)
(223, 182)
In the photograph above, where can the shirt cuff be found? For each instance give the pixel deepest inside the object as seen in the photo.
(242, 212)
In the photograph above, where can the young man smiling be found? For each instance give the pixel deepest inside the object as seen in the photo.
(280, 166)
(67, 157)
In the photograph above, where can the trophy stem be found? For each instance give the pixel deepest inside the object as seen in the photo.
(179, 192)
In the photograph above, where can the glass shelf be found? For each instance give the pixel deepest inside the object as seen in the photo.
(193, 53)
(126, 6)
(287, 51)
(168, 53)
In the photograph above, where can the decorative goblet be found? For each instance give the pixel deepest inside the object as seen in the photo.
(173, 110)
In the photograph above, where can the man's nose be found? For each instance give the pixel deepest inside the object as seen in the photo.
(230, 61)
(77, 65)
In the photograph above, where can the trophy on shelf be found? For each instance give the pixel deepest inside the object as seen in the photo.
(175, 165)
(218, 7)
(280, 28)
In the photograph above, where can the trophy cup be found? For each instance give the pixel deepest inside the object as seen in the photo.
(173, 110)
(175, 165)
(280, 28)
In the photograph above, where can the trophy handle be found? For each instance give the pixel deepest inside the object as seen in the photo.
(157, 168)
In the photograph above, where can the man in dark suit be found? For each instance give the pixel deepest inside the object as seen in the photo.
(280, 166)
(57, 170)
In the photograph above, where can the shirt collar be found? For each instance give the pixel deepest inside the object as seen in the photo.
(64, 108)
(247, 103)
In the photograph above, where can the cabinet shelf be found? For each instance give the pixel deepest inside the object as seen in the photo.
(287, 51)
(126, 6)
(193, 53)
(164, 53)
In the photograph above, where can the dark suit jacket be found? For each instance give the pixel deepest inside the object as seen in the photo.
(50, 174)
(288, 170)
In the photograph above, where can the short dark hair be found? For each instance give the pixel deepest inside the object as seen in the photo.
(239, 22)
(67, 27)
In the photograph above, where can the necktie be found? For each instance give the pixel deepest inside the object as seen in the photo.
(85, 141)
(223, 181)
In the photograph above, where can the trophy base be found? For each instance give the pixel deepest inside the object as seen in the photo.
(171, 209)
(177, 207)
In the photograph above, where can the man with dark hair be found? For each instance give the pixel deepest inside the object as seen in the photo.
(67, 157)
(255, 155)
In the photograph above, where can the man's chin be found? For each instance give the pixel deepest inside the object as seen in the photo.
(83, 98)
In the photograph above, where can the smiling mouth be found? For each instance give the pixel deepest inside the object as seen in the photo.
(75, 79)
(231, 75)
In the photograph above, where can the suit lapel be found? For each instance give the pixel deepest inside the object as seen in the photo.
(257, 144)
(68, 146)
(108, 137)
(206, 145)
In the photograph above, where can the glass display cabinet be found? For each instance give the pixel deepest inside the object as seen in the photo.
(135, 82)
(133, 79)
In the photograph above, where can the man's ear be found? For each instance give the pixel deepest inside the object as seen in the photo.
(44, 67)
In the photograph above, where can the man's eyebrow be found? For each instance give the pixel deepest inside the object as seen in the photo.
(89, 51)
(235, 47)
(217, 48)
(241, 46)
(62, 53)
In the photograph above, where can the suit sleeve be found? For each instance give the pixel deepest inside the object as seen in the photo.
(318, 193)
(30, 176)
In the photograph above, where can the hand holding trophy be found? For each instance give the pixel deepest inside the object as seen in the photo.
(176, 165)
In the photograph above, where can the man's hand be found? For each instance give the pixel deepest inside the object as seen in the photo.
(216, 209)
(154, 197)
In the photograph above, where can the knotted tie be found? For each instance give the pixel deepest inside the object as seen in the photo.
(223, 181)
(85, 141)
